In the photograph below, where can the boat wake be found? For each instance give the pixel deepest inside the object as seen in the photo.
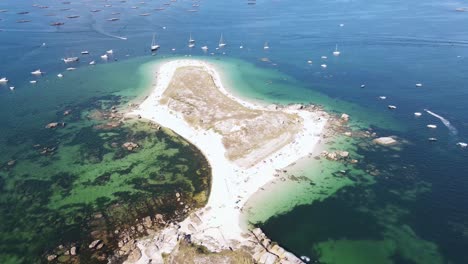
(110, 35)
(447, 123)
(100, 31)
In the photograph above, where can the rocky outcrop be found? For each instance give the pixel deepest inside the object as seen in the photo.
(385, 141)
(265, 252)
(54, 125)
(344, 117)
(130, 146)
(97, 244)
(337, 155)
(51, 257)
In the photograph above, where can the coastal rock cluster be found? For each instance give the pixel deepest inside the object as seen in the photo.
(266, 252)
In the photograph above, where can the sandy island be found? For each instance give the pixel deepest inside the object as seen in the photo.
(245, 143)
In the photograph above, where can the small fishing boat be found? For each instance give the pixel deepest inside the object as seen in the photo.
(432, 139)
(221, 42)
(462, 144)
(205, 48)
(73, 16)
(12, 88)
(104, 57)
(145, 14)
(336, 52)
(110, 52)
(37, 72)
(241, 47)
(95, 10)
(392, 107)
(417, 114)
(309, 62)
(154, 46)
(92, 63)
(305, 258)
(324, 57)
(84, 52)
(265, 46)
(71, 59)
(60, 75)
(3, 80)
(113, 19)
(382, 97)
(419, 85)
(323, 66)
(33, 82)
(431, 126)
(71, 69)
(56, 24)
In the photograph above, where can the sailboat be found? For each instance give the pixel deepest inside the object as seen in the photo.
(221, 42)
(154, 46)
(265, 46)
(191, 42)
(3, 80)
(336, 52)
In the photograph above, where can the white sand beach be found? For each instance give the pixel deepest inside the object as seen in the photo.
(217, 226)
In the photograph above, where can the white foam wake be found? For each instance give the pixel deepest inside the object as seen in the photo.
(447, 123)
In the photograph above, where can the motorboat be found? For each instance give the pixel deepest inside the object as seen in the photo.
(71, 59)
(37, 72)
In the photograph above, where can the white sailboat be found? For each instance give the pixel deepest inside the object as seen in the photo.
(221, 42)
(191, 42)
(265, 46)
(154, 46)
(336, 52)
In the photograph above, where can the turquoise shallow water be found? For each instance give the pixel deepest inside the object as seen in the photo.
(414, 211)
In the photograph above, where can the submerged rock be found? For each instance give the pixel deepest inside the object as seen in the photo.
(385, 141)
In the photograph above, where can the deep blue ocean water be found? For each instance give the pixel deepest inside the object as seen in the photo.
(388, 46)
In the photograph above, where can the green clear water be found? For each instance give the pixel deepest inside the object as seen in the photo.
(63, 177)
(373, 230)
